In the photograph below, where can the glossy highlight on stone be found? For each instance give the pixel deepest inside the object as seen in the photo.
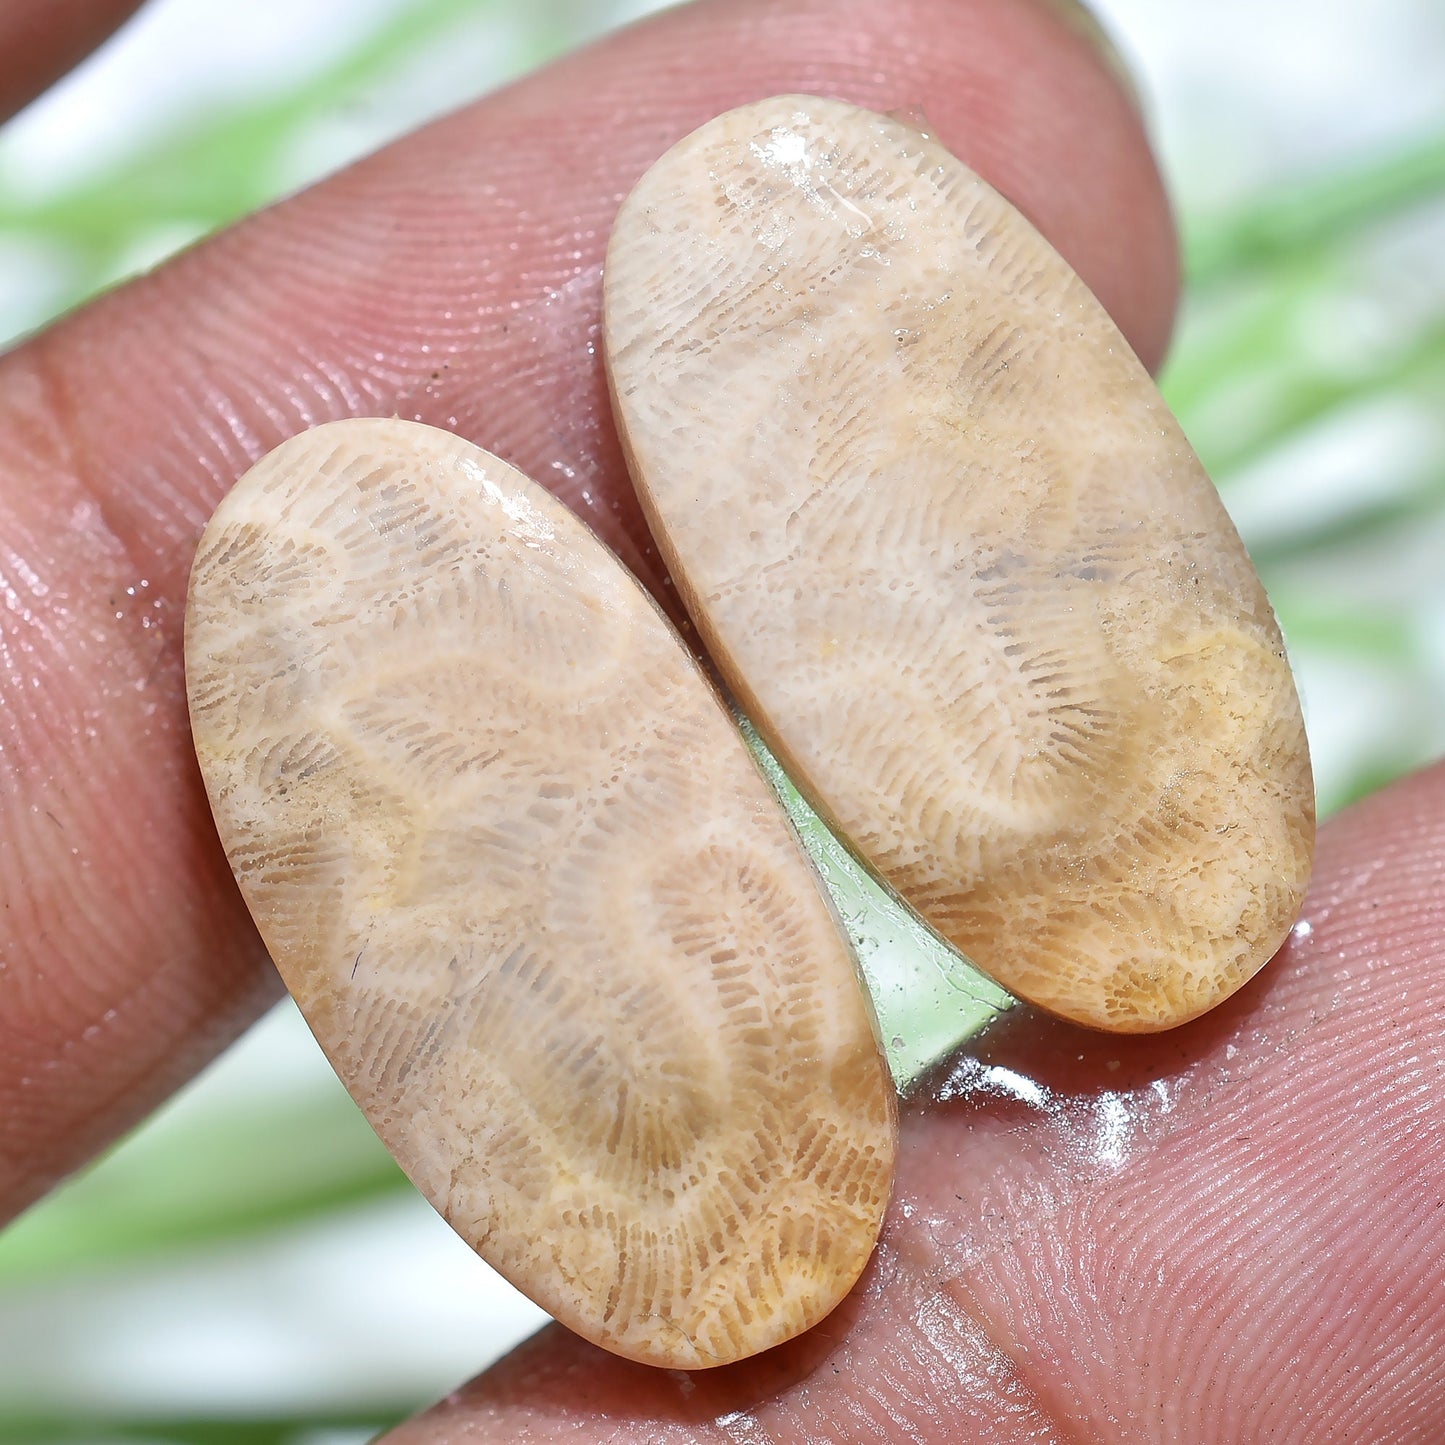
(957, 560)
(532, 894)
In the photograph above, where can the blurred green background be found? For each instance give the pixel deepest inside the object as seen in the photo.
(250, 1267)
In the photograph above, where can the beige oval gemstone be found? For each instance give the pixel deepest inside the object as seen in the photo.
(535, 900)
(958, 561)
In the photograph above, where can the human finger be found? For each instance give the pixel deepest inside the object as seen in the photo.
(453, 278)
(1228, 1233)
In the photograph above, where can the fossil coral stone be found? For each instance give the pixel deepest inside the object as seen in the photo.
(533, 896)
(958, 561)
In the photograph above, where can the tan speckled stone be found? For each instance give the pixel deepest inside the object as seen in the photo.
(533, 896)
(958, 561)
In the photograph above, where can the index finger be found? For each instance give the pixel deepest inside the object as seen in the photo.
(454, 279)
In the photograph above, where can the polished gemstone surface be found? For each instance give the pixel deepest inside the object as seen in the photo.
(957, 560)
(535, 900)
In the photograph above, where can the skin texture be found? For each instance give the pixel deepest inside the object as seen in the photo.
(1225, 1235)
(958, 563)
(534, 897)
(1262, 1263)
(130, 957)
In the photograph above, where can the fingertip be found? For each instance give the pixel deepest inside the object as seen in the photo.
(452, 279)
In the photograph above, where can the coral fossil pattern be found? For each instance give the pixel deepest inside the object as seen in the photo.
(533, 896)
(956, 558)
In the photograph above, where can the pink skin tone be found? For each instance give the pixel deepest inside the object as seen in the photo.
(1228, 1233)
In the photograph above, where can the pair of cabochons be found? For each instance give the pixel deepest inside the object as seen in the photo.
(958, 564)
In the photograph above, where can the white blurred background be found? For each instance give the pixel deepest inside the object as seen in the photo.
(248, 1268)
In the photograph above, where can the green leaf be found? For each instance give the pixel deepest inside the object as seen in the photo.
(1363, 525)
(1281, 227)
(205, 1179)
(227, 164)
(162, 1430)
(1291, 399)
